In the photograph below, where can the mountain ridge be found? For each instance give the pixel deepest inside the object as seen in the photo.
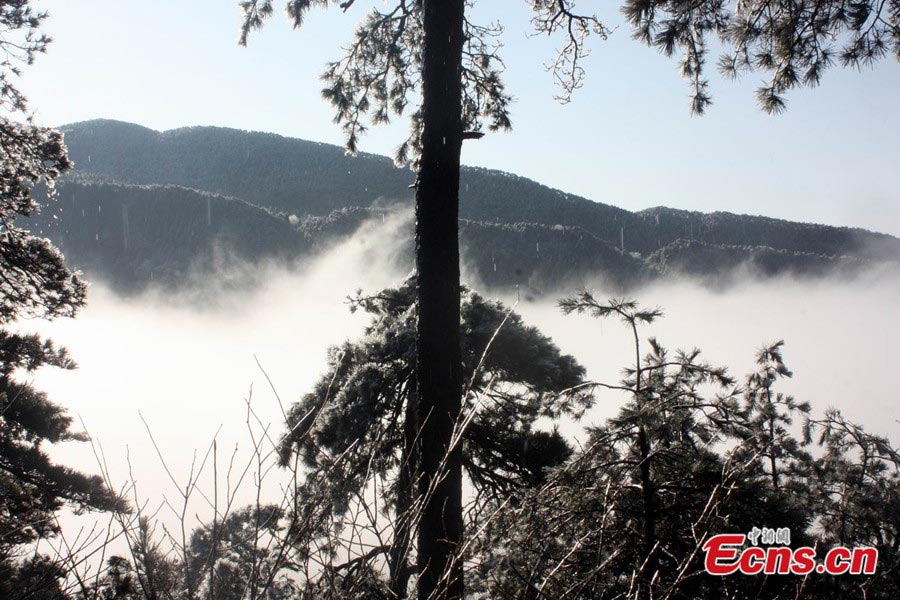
(338, 150)
(266, 189)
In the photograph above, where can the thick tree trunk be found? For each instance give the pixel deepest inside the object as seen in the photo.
(437, 262)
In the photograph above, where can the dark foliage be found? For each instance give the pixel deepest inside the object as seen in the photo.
(792, 42)
(357, 424)
(691, 454)
(232, 560)
(150, 573)
(34, 282)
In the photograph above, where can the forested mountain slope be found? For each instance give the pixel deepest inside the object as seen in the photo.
(165, 206)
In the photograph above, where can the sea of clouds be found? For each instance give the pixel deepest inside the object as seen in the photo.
(183, 370)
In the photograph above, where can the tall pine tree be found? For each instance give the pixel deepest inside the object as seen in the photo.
(34, 282)
(430, 49)
(359, 426)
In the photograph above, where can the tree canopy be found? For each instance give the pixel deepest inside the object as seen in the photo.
(358, 425)
(34, 282)
(789, 41)
(430, 54)
(692, 453)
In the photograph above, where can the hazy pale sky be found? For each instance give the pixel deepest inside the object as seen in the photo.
(626, 139)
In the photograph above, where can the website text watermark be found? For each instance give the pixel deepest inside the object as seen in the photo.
(728, 553)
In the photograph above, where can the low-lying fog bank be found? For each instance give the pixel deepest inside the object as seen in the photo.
(188, 368)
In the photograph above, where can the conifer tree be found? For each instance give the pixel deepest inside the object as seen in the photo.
(232, 559)
(690, 455)
(359, 425)
(34, 282)
(150, 572)
(431, 49)
(852, 488)
(769, 414)
(626, 516)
